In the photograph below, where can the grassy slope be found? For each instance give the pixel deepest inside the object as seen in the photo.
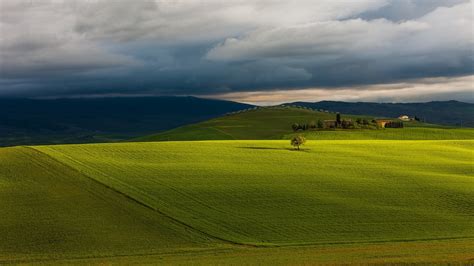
(243, 191)
(263, 123)
(275, 123)
(259, 192)
(49, 210)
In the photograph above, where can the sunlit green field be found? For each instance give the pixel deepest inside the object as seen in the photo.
(211, 201)
(49, 210)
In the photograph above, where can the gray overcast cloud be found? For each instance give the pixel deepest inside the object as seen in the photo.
(212, 48)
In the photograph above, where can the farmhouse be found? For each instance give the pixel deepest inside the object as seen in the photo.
(387, 123)
(404, 118)
(382, 122)
(347, 123)
(330, 123)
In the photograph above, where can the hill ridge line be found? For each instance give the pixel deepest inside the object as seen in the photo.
(146, 205)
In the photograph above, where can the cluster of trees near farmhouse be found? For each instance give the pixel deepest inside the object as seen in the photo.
(359, 123)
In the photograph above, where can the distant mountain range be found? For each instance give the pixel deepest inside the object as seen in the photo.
(451, 113)
(33, 121)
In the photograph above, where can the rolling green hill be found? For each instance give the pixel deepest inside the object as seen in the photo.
(258, 123)
(218, 201)
(275, 123)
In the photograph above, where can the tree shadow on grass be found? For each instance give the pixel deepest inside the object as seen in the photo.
(300, 150)
(271, 148)
(261, 148)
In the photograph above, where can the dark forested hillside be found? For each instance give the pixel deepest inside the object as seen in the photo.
(452, 113)
(33, 121)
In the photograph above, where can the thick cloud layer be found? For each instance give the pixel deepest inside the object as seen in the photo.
(64, 48)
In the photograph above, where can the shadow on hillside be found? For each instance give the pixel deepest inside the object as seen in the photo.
(261, 148)
(270, 148)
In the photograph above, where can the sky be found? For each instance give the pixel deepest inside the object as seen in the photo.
(261, 52)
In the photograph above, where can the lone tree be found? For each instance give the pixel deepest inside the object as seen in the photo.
(297, 141)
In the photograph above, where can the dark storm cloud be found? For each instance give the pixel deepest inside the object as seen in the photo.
(62, 48)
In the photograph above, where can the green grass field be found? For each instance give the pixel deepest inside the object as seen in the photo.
(238, 202)
(50, 210)
(275, 123)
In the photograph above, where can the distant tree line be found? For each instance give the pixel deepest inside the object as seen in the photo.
(328, 124)
(339, 122)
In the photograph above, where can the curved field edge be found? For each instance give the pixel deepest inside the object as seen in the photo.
(51, 211)
(262, 193)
